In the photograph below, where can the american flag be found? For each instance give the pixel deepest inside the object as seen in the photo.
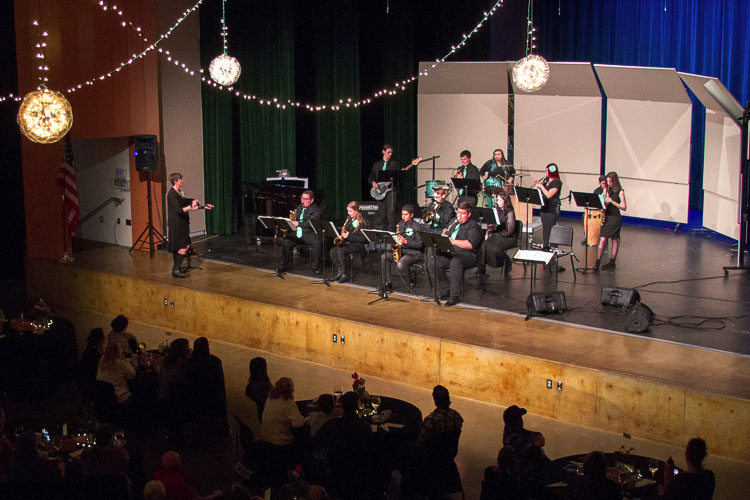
(66, 179)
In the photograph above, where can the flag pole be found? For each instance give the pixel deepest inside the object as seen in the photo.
(65, 259)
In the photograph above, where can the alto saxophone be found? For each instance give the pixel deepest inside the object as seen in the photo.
(293, 214)
(397, 249)
(338, 240)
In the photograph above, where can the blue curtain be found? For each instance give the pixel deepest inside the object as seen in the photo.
(704, 37)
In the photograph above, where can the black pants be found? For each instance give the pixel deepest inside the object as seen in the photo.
(407, 260)
(457, 264)
(291, 241)
(340, 254)
(549, 219)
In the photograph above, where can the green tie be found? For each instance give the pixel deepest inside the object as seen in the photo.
(301, 218)
(455, 231)
(385, 164)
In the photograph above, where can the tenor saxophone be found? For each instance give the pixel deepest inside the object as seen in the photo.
(338, 240)
(397, 249)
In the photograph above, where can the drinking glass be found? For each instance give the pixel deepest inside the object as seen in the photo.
(375, 402)
(337, 392)
(653, 466)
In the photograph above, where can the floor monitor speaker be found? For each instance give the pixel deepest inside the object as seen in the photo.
(620, 297)
(639, 318)
(546, 303)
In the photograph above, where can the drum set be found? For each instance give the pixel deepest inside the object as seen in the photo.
(491, 189)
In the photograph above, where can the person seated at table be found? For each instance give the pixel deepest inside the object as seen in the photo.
(594, 485)
(105, 459)
(120, 335)
(173, 387)
(154, 490)
(502, 480)
(493, 252)
(352, 241)
(466, 237)
(696, 482)
(116, 370)
(280, 416)
(175, 483)
(259, 384)
(32, 476)
(316, 419)
(354, 462)
(207, 392)
(89, 365)
(7, 450)
(528, 445)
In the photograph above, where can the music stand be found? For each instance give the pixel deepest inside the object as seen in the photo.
(530, 196)
(589, 201)
(437, 242)
(384, 241)
(533, 257)
(394, 177)
(472, 187)
(324, 229)
(277, 224)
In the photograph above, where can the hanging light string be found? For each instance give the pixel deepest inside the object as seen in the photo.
(530, 29)
(277, 102)
(224, 31)
(40, 54)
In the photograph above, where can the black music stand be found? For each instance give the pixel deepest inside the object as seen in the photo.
(277, 224)
(394, 177)
(533, 257)
(471, 187)
(383, 241)
(324, 229)
(530, 196)
(589, 201)
(438, 243)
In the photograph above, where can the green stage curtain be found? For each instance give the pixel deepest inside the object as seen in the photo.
(218, 161)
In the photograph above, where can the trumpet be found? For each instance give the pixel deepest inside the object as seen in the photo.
(397, 249)
(338, 240)
(458, 173)
(429, 217)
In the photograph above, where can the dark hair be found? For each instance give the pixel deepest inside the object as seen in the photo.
(464, 205)
(595, 465)
(174, 177)
(96, 337)
(552, 170)
(104, 435)
(201, 349)
(408, 208)
(326, 403)
(119, 324)
(507, 204)
(507, 462)
(178, 349)
(501, 153)
(258, 370)
(602, 178)
(616, 186)
(284, 389)
(385, 147)
(465, 152)
(441, 397)
(310, 193)
(349, 403)
(696, 451)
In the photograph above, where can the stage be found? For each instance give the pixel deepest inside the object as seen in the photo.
(667, 384)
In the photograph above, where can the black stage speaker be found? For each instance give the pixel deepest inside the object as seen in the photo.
(620, 297)
(146, 157)
(639, 318)
(372, 214)
(546, 303)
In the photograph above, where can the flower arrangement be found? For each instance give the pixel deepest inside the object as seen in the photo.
(358, 386)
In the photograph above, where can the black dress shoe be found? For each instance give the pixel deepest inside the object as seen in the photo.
(609, 265)
(451, 302)
(444, 295)
(342, 279)
(412, 283)
(560, 269)
(508, 265)
(338, 276)
(176, 273)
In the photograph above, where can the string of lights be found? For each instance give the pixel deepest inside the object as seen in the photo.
(342, 103)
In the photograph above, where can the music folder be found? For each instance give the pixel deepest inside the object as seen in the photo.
(532, 196)
(280, 222)
(589, 200)
(533, 256)
(326, 227)
(442, 243)
(380, 236)
(473, 186)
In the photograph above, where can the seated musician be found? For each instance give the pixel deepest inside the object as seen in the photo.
(465, 236)
(411, 243)
(351, 241)
(503, 238)
(442, 211)
(499, 167)
(308, 211)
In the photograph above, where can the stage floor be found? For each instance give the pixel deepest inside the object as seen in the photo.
(678, 275)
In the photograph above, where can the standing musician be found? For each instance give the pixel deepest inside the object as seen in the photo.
(441, 210)
(385, 163)
(307, 212)
(615, 200)
(411, 243)
(179, 222)
(498, 166)
(351, 241)
(550, 186)
(465, 236)
(499, 240)
(466, 170)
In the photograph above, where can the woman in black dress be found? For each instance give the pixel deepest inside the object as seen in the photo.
(614, 198)
(352, 241)
(179, 221)
(550, 186)
(503, 238)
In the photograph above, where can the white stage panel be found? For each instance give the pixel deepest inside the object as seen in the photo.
(656, 200)
(720, 214)
(464, 78)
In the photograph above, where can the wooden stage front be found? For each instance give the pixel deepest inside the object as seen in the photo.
(657, 390)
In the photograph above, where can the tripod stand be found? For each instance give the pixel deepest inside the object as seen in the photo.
(276, 223)
(380, 239)
(154, 237)
(323, 229)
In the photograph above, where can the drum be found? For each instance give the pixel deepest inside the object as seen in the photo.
(493, 182)
(592, 226)
(431, 185)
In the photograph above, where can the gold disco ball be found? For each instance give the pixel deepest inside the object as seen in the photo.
(45, 116)
(531, 73)
(225, 70)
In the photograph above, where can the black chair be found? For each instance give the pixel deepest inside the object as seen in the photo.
(244, 441)
(440, 474)
(562, 236)
(104, 402)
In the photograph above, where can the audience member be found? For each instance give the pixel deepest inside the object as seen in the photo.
(90, 360)
(34, 477)
(105, 458)
(316, 419)
(205, 378)
(503, 481)
(6, 450)
(175, 485)
(113, 368)
(173, 389)
(281, 415)
(594, 485)
(154, 490)
(528, 445)
(119, 334)
(259, 384)
(695, 483)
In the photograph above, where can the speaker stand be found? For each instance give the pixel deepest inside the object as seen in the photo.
(150, 235)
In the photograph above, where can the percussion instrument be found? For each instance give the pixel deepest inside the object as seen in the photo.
(592, 226)
(431, 185)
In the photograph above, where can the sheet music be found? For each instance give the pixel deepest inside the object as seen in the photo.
(534, 256)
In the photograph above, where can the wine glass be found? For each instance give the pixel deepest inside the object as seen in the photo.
(653, 466)
(375, 402)
(337, 392)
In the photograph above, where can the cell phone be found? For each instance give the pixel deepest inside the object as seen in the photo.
(675, 471)
(45, 435)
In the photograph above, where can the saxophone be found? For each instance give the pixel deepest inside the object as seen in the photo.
(397, 249)
(293, 214)
(338, 240)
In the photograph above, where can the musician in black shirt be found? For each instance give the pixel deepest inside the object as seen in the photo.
(442, 211)
(467, 170)
(465, 236)
(411, 243)
(305, 235)
(389, 203)
(550, 186)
